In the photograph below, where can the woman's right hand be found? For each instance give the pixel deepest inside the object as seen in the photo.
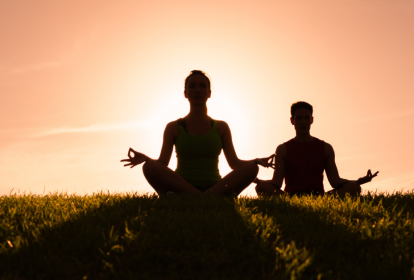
(135, 159)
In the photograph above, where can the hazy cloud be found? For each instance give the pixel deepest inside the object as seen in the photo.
(395, 115)
(66, 59)
(90, 128)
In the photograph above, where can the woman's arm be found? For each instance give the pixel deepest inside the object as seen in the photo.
(229, 152)
(170, 134)
(228, 148)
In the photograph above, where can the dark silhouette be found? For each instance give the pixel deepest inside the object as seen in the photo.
(302, 160)
(198, 140)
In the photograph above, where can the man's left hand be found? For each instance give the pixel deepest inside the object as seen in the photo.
(367, 178)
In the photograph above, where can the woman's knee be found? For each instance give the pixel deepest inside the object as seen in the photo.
(251, 169)
(150, 168)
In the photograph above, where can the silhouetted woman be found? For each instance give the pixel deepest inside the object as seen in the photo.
(198, 141)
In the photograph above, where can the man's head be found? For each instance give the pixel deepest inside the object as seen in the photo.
(301, 116)
(300, 105)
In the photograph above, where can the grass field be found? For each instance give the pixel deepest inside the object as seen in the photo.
(127, 236)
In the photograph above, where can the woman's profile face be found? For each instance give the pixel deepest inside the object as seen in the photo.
(197, 90)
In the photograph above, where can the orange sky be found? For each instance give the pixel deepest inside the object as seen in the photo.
(82, 81)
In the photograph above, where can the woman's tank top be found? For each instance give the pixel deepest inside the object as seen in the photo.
(305, 163)
(197, 156)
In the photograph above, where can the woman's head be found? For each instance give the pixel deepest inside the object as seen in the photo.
(197, 72)
(197, 87)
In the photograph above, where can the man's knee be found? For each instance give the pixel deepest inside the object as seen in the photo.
(351, 187)
(355, 187)
(264, 188)
(259, 188)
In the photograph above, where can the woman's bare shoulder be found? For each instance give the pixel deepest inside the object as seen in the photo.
(222, 124)
(222, 127)
(171, 128)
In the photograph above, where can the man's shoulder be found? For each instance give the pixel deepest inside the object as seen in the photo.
(328, 148)
(325, 144)
(281, 149)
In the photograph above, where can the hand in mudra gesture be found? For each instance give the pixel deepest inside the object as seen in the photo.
(367, 178)
(266, 162)
(135, 158)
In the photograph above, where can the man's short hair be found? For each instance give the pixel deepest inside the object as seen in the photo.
(300, 105)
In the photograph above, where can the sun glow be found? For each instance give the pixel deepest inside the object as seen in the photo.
(220, 107)
(81, 84)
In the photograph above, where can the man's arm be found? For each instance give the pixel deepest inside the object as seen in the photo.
(333, 174)
(279, 172)
(270, 187)
(331, 169)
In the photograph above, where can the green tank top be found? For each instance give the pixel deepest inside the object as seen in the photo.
(197, 157)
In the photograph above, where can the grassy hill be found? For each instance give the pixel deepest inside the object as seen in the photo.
(128, 236)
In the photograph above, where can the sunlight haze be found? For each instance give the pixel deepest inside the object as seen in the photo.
(82, 81)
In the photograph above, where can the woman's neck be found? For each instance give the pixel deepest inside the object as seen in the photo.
(197, 112)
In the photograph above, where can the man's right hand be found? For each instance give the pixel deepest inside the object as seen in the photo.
(367, 178)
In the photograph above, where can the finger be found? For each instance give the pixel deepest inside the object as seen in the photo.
(125, 165)
(134, 153)
(125, 160)
(375, 174)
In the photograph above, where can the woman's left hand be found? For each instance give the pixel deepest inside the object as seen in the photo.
(266, 162)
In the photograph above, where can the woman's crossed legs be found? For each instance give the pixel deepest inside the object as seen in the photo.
(163, 179)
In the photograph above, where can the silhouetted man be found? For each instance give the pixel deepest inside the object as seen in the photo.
(302, 160)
